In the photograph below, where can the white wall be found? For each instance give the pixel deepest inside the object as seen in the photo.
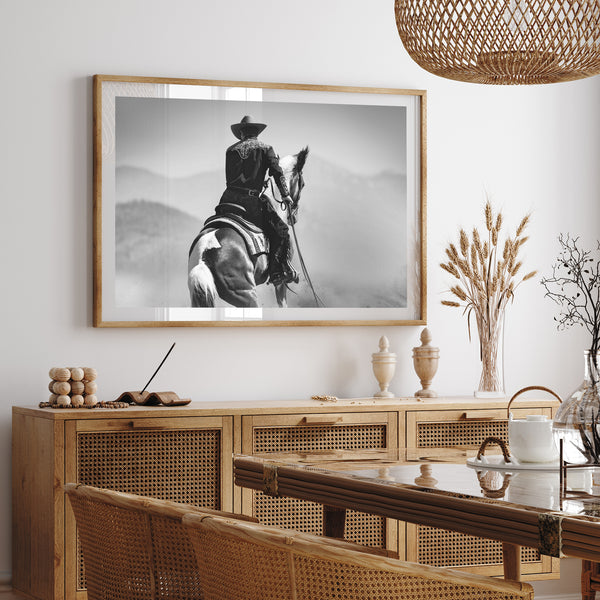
(533, 148)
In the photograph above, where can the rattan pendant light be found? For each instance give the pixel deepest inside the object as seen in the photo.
(502, 41)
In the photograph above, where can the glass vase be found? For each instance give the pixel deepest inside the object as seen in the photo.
(576, 422)
(491, 352)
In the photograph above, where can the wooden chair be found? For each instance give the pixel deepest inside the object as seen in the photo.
(590, 579)
(246, 561)
(135, 548)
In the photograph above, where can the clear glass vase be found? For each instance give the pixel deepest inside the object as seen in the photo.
(491, 349)
(577, 419)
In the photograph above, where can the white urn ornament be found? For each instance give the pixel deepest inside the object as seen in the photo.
(384, 367)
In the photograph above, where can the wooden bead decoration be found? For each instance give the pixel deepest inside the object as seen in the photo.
(63, 400)
(77, 400)
(61, 387)
(77, 387)
(61, 374)
(90, 400)
(89, 374)
(99, 404)
(91, 387)
(112, 404)
(77, 374)
(72, 387)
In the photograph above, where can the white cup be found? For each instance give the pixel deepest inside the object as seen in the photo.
(531, 439)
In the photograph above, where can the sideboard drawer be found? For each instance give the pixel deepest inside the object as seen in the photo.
(352, 435)
(331, 435)
(461, 428)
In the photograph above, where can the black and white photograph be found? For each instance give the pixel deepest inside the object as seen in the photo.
(257, 205)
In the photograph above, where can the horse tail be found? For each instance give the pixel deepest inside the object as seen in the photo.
(201, 283)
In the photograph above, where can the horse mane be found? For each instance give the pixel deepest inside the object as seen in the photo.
(301, 159)
(294, 163)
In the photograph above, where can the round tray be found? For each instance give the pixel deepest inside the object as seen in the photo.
(497, 463)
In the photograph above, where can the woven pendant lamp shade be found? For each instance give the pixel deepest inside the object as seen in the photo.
(502, 41)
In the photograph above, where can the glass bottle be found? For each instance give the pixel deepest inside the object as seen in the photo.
(577, 419)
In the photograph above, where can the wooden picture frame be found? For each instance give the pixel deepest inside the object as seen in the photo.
(159, 172)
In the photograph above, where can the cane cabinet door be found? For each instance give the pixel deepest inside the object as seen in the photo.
(332, 436)
(443, 548)
(185, 459)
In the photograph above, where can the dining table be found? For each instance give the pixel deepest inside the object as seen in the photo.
(539, 505)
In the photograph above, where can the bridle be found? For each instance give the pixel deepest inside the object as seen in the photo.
(291, 217)
(294, 195)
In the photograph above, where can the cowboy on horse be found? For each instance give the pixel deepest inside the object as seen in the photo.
(247, 163)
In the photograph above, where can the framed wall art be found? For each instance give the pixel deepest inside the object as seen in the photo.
(221, 203)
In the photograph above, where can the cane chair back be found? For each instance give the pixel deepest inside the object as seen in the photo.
(134, 547)
(247, 561)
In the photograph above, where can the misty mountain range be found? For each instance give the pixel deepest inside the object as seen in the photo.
(351, 229)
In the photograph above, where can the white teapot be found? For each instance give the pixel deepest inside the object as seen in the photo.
(531, 439)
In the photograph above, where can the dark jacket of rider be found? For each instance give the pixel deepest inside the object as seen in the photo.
(247, 163)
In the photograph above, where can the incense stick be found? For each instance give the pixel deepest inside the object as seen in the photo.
(158, 369)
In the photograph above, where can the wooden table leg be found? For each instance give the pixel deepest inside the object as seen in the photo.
(511, 557)
(334, 521)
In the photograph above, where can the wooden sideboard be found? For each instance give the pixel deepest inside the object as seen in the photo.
(185, 454)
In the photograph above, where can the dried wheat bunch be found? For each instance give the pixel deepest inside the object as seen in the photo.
(487, 272)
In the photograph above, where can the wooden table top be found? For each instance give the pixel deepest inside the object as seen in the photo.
(438, 488)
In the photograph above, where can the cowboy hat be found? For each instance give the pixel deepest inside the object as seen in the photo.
(247, 124)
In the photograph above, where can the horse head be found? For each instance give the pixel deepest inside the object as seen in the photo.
(292, 168)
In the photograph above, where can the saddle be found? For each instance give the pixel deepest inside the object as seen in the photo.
(255, 239)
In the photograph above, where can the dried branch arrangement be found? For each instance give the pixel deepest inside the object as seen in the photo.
(487, 274)
(575, 286)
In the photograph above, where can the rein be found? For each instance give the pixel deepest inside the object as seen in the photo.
(318, 301)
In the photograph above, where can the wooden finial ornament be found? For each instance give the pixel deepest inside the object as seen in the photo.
(425, 360)
(384, 367)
